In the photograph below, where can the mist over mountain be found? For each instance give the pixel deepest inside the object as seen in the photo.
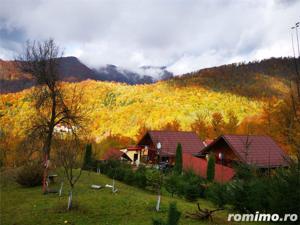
(142, 75)
(71, 69)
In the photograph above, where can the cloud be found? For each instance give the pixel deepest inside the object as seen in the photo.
(182, 35)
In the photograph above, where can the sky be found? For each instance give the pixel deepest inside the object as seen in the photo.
(183, 35)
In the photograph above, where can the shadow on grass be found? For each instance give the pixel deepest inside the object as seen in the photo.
(61, 207)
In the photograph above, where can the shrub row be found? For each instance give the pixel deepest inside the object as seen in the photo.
(186, 185)
(278, 193)
(123, 172)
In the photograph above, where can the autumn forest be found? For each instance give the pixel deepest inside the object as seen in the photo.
(246, 98)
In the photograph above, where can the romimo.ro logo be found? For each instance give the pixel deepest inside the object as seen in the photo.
(262, 217)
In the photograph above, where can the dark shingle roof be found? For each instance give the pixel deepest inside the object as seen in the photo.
(261, 151)
(113, 154)
(169, 139)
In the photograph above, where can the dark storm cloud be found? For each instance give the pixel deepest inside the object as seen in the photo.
(183, 35)
(10, 40)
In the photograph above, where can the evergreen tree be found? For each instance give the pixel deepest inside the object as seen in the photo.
(173, 216)
(178, 160)
(158, 221)
(171, 183)
(210, 173)
(88, 161)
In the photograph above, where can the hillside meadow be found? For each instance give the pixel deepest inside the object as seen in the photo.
(130, 205)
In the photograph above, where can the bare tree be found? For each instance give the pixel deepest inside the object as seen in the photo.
(247, 144)
(70, 152)
(41, 60)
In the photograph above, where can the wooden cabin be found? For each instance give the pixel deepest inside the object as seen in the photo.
(260, 151)
(134, 153)
(168, 141)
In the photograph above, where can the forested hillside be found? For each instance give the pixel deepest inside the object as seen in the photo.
(229, 99)
(264, 78)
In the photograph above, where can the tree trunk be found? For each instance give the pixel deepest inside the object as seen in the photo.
(158, 201)
(45, 174)
(46, 150)
(70, 199)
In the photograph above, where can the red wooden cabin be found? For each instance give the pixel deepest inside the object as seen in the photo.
(261, 151)
(169, 140)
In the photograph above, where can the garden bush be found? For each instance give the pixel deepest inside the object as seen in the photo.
(278, 193)
(153, 179)
(172, 183)
(123, 172)
(195, 182)
(191, 192)
(284, 194)
(187, 185)
(245, 172)
(173, 216)
(129, 176)
(217, 193)
(30, 175)
(119, 173)
(249, 196)
(140, 177)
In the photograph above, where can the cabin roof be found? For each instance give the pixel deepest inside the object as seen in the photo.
(258, 150)
(189, 141)
(134, 148)
(114, 154)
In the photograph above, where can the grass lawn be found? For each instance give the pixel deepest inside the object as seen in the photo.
(22, 206)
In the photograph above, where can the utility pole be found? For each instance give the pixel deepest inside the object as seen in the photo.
(297, 78)
(296, 27)
(158, 147)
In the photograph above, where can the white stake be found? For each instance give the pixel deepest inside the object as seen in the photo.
(70, 201)
(61, 187)
(158, 203)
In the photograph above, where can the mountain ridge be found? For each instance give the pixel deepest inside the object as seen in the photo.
(71, 69)
(227, 77)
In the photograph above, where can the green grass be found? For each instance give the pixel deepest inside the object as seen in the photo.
(22, 206)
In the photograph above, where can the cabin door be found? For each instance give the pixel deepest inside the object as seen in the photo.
(135, 157)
